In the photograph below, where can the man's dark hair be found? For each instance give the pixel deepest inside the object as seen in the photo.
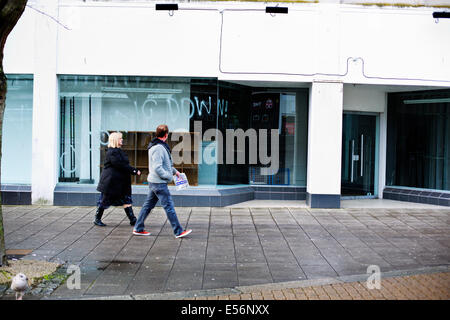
(162, 130)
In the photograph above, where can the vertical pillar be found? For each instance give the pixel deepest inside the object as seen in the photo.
(382, 153)
(324, 145)
(45, 105)
(300, 139)
(83, 161)
(96, 136)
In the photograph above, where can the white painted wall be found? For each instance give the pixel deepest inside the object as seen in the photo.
(133, 39)
(45, 90)
(396, 46)
(313, 41)
(364, 98)
(256, 42)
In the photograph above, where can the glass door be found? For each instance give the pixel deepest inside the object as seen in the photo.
(358, 155)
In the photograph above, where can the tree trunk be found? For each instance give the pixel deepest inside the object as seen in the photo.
(10, 12)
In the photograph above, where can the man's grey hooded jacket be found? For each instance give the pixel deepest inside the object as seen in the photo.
(160, 165)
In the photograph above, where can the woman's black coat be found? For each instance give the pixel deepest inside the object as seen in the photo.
(115, 179)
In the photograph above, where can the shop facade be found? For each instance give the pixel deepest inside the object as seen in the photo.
(259, 105)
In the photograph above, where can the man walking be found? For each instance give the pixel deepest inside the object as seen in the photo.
(160, 172)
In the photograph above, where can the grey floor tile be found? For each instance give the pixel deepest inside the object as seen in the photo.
(215, 278)
(286, 272)
(318, 271)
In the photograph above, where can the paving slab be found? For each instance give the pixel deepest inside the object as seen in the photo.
(229, 247)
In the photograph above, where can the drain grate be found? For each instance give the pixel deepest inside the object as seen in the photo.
(17, 253)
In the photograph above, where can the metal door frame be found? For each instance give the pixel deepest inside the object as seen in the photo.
(377, 154)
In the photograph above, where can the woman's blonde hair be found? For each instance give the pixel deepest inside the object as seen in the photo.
(114, 138)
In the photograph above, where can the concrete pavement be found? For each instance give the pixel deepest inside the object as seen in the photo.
(230, 247)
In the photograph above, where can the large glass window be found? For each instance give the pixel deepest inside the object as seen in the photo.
(91, 107)
(418, 149)
(274, 121)
(198, 111)
(17, 130)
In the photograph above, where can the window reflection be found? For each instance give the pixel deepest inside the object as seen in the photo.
(418, 153)
(17, 130)
(198, 112)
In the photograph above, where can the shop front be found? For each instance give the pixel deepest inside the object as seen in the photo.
(235, 142)
(260, 106)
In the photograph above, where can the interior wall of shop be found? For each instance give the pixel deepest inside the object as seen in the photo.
(331, 42)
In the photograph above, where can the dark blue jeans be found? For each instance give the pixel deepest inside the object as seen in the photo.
(159, 191)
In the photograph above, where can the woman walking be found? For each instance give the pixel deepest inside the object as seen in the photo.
(115, 181)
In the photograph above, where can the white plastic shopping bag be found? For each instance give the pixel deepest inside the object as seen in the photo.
(181, 182)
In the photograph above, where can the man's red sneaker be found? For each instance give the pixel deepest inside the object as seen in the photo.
(183, 234)
(142, 233)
